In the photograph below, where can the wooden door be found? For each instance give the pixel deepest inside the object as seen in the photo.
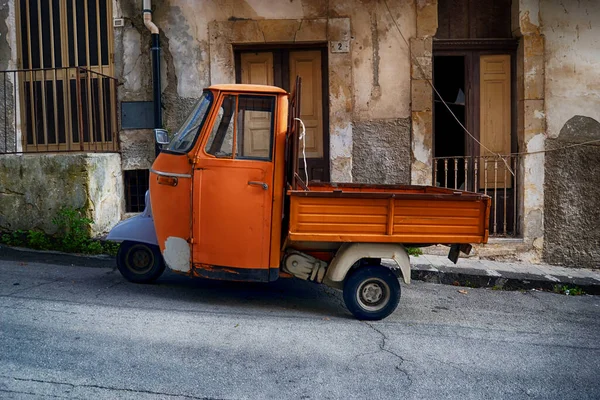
(280, 67)
(307, 65)
(257, 69)
(495, 117)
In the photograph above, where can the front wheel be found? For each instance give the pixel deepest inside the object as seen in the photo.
(372, 293)
(140, 262)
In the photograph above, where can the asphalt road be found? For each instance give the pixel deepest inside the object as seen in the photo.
(77, 332)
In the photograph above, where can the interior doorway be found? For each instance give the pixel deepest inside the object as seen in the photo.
(450, 144)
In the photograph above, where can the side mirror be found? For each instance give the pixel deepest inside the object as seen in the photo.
(162, 136)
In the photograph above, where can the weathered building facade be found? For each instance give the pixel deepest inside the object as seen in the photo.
(520, 76)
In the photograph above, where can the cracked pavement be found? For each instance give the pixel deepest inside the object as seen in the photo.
(81, 333)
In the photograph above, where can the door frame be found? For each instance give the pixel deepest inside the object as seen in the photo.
(471, 49)
(282, 80)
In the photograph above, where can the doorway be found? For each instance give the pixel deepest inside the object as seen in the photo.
(279, 67)
(450, 144)
(478, 87)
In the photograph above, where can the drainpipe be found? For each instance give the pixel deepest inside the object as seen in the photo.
(155, 49)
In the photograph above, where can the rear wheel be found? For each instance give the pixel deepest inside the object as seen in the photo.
(372, 293)
(140, 262)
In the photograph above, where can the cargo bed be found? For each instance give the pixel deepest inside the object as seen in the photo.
(387, 214)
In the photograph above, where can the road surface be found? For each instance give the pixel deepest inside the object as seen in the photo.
(86, 333)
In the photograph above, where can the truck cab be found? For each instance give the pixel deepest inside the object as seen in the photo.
(216, 189)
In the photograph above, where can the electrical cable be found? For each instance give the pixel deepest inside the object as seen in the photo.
(302, 137)
(438, 94)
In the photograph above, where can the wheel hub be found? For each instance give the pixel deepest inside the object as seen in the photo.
(139, 259)
(372, 293)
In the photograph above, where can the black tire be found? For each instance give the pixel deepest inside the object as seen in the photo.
(371, 293)
(140, 262)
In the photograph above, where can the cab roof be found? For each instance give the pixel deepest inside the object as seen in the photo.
(247, 88)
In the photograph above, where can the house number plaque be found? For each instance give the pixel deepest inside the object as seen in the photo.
(340, 46)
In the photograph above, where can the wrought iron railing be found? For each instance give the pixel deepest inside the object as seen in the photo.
(496, 176)
(56, 110)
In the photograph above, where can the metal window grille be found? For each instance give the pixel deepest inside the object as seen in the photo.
(63, 97)
(136, 184)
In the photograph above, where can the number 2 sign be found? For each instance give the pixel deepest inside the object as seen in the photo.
(340, 46)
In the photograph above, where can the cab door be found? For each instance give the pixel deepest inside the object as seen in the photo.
(233, 191)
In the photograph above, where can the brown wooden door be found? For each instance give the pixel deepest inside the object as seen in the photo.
(307, 65)
(280, 67)
(494, 117)
(257, 69)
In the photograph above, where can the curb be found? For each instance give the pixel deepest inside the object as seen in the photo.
(501, 280)
(446, 275)
(56, 257)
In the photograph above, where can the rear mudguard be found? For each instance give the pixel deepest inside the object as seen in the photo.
(350, 253)
(137, 229)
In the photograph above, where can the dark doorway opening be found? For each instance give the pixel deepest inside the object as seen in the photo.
(449, 79)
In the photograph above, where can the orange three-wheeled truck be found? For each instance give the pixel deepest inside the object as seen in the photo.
(228, 202)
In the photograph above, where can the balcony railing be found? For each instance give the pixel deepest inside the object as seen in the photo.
(57, 110)
(492, 175)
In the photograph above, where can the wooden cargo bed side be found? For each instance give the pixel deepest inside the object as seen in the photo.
(398, 215)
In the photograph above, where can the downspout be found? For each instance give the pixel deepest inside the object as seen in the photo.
(155, 49)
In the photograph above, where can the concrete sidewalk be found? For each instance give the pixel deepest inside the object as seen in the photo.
(431, 268)
(502, 275)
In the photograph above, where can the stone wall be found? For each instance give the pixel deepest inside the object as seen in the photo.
(33, 188)
(381, 152)
(572, 193)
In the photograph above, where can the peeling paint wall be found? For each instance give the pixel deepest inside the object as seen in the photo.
(531, 123)
(572, 33)
(421, 48)
(8, 119)
(371, 83)
(572, 110)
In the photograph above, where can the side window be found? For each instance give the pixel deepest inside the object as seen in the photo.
(220, 141)
(255, 120)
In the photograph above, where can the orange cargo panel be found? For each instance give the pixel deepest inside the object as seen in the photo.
(401, 214)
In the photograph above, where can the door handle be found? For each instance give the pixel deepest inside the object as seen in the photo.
(264, 185)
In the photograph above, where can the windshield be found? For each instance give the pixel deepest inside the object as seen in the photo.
(185, 136)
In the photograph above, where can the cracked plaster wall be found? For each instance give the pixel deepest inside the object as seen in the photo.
(531, 124)
(9, 121)
(421, 71)
(572, 110)
(371, 83)
(33, 188)
(572, 52)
